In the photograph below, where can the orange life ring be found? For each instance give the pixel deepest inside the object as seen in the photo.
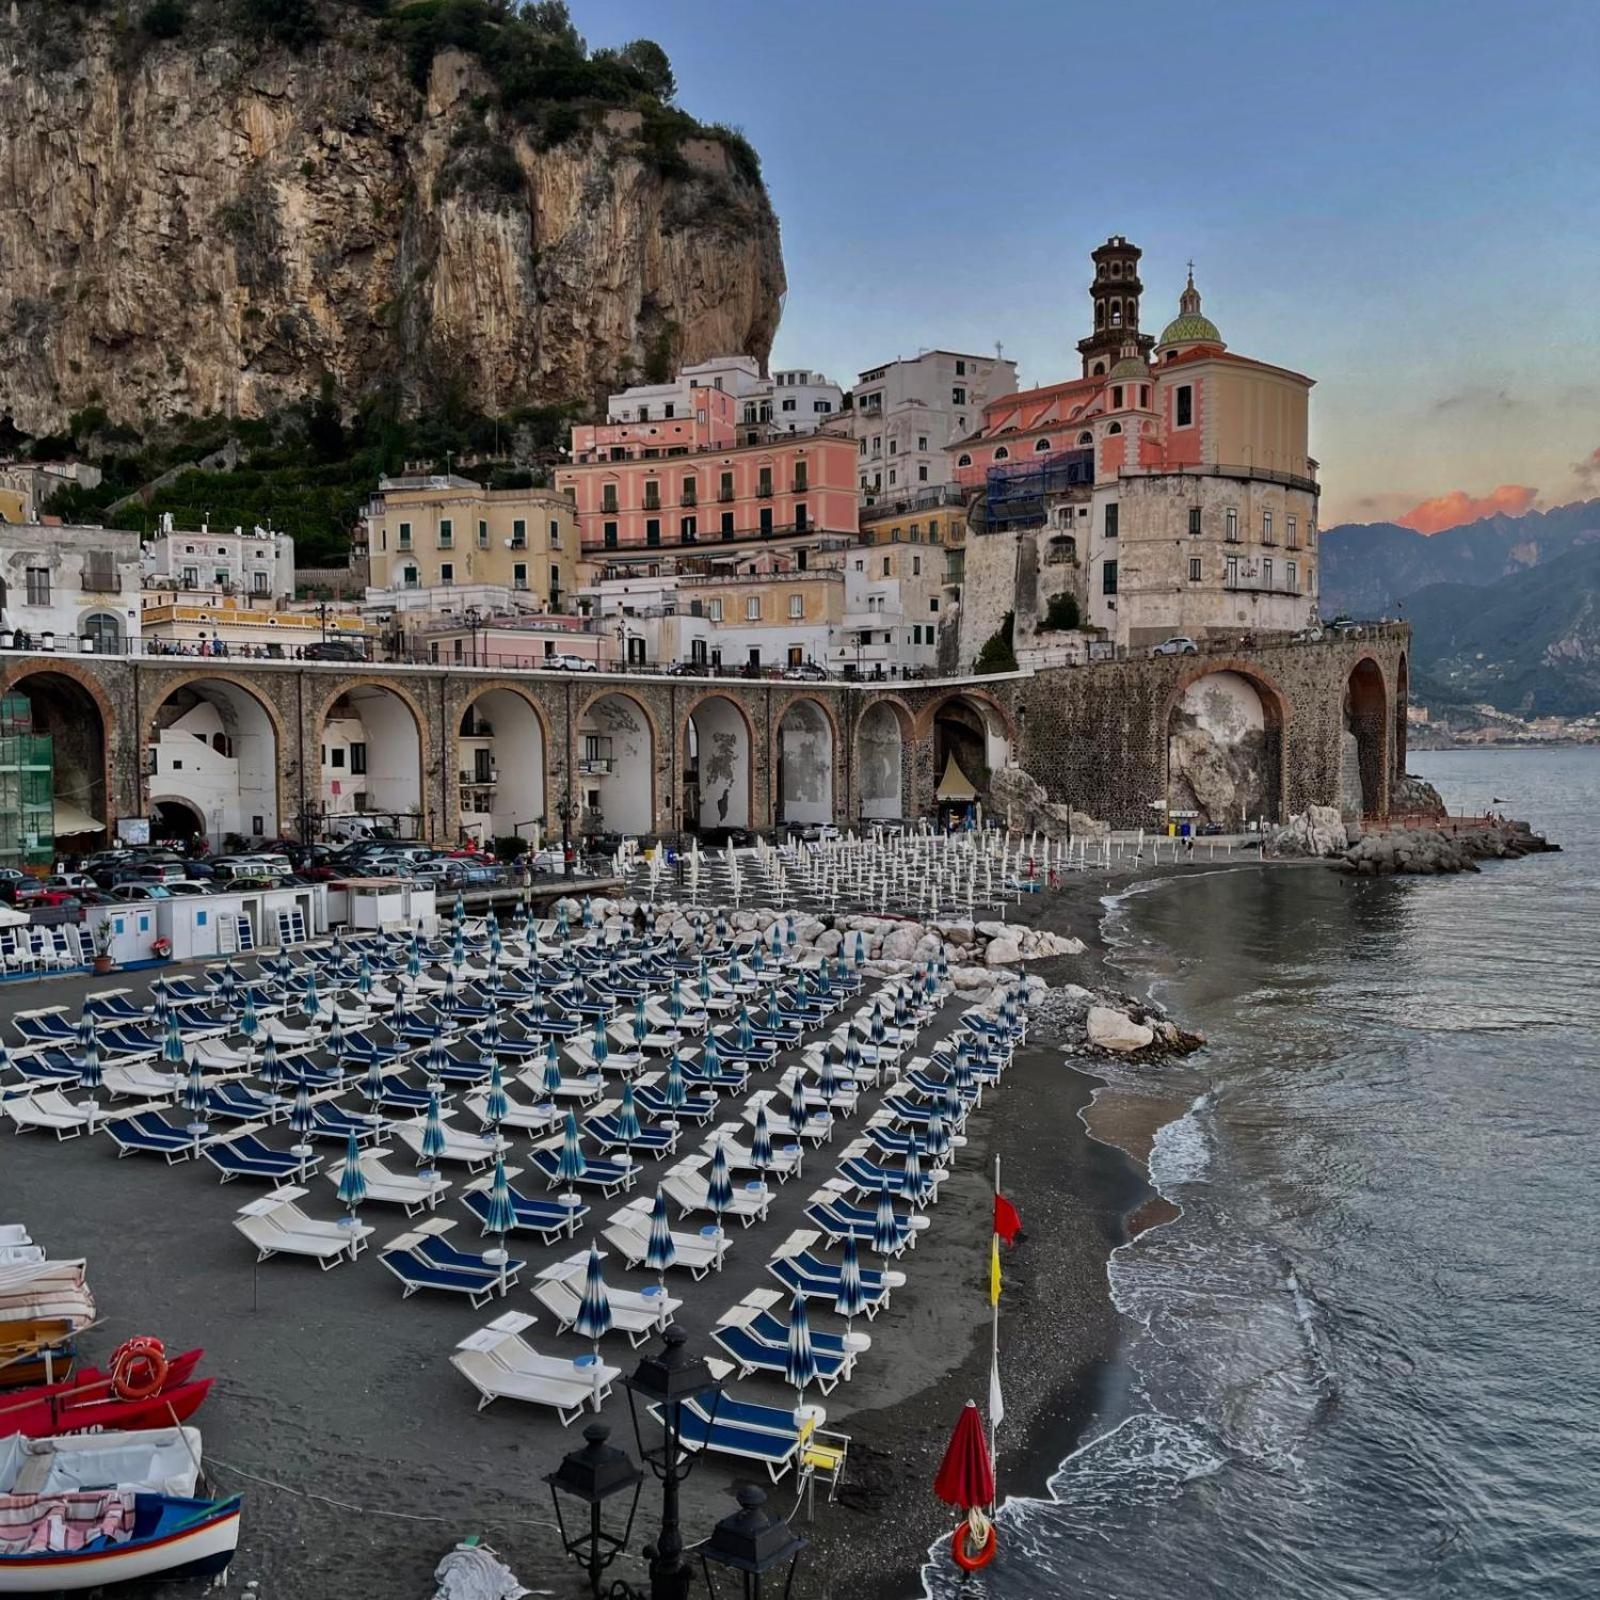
(138, 1368)
(961, 1551)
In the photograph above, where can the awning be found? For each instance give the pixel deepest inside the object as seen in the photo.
(953, 785)
(71, 819)
(10, 917)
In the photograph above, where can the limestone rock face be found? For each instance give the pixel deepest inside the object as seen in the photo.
(1003, 953)
(1116, 1030)
(211, 225)
(1318, 831)
(1015, 794)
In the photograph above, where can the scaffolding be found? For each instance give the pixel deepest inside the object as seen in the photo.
(1018, 496)
(27, 788)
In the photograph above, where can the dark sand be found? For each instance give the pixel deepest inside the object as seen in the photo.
(357, 1445)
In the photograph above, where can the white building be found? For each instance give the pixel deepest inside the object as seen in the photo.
(254, 562)
(69, 589)
(891, 611)
(796, 400)
(903, 414)
(224, 780)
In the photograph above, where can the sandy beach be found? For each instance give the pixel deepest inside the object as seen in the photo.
(358, 1448)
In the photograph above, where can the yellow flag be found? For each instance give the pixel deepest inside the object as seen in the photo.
(994, 1270)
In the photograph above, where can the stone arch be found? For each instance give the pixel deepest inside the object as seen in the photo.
(229, 782)
(70, 705)
(805, 744)
(1365, 764)
(719, 773)
(1224, 741)
(174, 816)
(883, 737)
(385, 777)
(615, 767)
(500, 741)
(1402, 701)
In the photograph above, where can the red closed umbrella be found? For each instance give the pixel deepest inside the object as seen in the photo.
(966, 1477)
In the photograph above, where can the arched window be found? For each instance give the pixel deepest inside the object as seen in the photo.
(1085, 438)
(1116, 427)
(1099, 369)
(1041, 445)
(104, 634)
(1133, 313)
(1116, 313)
(963, 461)
(1116, 269)
(1002, 454)
(1099, 313)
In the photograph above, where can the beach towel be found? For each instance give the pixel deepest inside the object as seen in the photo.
(30, 1522)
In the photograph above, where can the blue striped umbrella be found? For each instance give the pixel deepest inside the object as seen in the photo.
(659, 1251)
(880, 1026)
(912, 1183)
(774, 1015)
(414, 965)
(433, 1139)
(338, 947)
(800, 1361)
(930, 983)
(450, 1001)
(572, 1165)
(352, 1181)
(675, 999)
(491, 974)
(309, 997)
(364, 976)
(791, 934)
(840, 974)
(172, 1052)
(704, 983)
(301, 1117)
(745, 1033)
(885, 1226)
(628, 1115)
(270, 1069)
(674, 1089)
(500, 1215)
(519, 921)
(372, 1086)
(228, 985)
(758, 960)
(943, 963)
(948, 1104)
(249, 1024)
(722, 927)
(761, 1142)
(851, 1301)
(935, 1138)
(641, 1024)
(161, 1007)
(458, 949)
(495, 943)
(600, 1045)
(593, 1320)
(460, 911)
(860, 953)
(852, 1050)
(827, 1077)
(588, 911)
(489, 1033)
(563, 927)
(735, 971)
(777, 941)
(902, 1010)
(89, 1073)
(194, 1092)
(711, 1057)
(552, 1068)
(719, 1186)
(496, 1105)
(797, 1108)
(536, 1005)
(87, 1023)
(335, 1042)
(435, 1058)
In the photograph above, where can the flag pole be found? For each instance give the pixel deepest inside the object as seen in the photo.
(994, 1358)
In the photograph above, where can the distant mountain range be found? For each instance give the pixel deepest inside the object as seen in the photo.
(1506, 610)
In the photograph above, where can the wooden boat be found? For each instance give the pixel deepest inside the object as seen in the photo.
(90, 1383)
(36, 1350)
(119, 1535)
(69, 1412)
(155, 1461)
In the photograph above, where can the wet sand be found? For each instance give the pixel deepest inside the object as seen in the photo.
(357, 1445)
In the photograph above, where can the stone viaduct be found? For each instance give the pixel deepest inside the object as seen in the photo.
(766, 751)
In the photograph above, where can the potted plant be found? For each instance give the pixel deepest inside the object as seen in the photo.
(102, 945)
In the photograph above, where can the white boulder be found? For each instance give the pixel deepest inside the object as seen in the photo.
(1116, 1030)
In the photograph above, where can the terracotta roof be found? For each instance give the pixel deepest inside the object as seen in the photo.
(1204, 353)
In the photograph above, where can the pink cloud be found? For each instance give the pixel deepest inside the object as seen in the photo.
(1451, 510)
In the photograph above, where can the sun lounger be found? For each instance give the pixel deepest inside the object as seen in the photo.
(550, 1219)
(574, 1089)
(751, 1353)
(149, 1133)
(416, 1272)
(768, 1326)
(772, 1435)
(650, 1095)
(600, 1172)
(333, 1122)
(868, 1177)
(818, 1125)
(276, 1225)
(687, 1188)
(801, 1271)
(241, 1104)
(559, 1289)
(430, 1245)
(479, 1359)
(839, 1220)
(605, 1127)
(536, 1118)
(243, 1155)
(49, 1109)
(50, 1026)
(786, 1155)
(59, 1067)
(697, 1253)
(414, 1191)
(472, 1149)
(625, 1062)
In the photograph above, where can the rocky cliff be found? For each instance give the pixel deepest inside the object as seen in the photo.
(213, 223)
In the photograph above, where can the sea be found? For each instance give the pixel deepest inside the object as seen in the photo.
(1364, 1358)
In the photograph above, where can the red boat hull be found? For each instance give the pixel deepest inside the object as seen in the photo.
(46, 1418)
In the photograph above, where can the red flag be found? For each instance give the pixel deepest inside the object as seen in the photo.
(1006, 1221)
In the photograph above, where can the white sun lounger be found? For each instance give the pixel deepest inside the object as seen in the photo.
(536, 1118)
(275, 1225)
(501, 1365)
(471, 1148)
(787, 1155)
(559, 1289)
(688, 1188)
(410, 1190)
(50, 1109)
(697, 1253)
(139, 1080)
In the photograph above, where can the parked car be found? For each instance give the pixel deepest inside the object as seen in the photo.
(70, 882)
(567, 663)
(335, 650)
(188, 886)
(140, 891)
(162, 872)
(806, 672)
(1178, 645)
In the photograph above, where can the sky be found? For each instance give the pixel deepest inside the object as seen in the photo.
(1401, 200)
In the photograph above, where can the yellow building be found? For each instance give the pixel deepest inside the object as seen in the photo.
(448, 532)
(936, 516)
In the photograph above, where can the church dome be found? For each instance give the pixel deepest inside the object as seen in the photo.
(1130, 367)
(1190, 326)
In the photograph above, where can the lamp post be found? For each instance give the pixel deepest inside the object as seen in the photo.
(474, 622)
(751, 1543)
(566, 811)
(593, 1475)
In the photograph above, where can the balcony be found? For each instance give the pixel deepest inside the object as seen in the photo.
(652, 501)
(763, 491)
(689, 497)
(725, 496)
(101, 582)
(595, 766)
(800, 486)
(1246, 583)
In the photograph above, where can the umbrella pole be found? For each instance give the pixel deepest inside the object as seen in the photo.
(994, 1367)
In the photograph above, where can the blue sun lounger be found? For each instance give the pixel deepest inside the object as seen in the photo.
(731, 1435)
(149, 1133)
(441, 1253)
(415, 1272)
(513, 1049)
(804, 1274)
(398, 1095)
(607, 1132)
(609, 1177)
(774, 1330)
(245, 1156)
(45, 1027)
(652, 1097)
(114, 1008)
(47, 1066)
(333, 1122)
(547, 1218)
(240, 1104)
(127, 1040)
(468, 1074)
(840, 1220)
(868, 1177)
(417, 1028)
(361, 1047)
(729, 1077)
(751, 1353)
(919, 1114)
(760, 1054)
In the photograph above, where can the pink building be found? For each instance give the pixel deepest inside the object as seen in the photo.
(642, 487)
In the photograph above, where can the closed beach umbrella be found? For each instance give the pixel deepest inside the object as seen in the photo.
(675, 999)
(827, 1078)
(745, 1034)
(172, 1053)
(912, 1182)
(552, 1068)
(435, 1058)
(433, 1139)
(797, 1108)
(496, 1106)
(930, 983)
(674, 1089)
(460, 910)
(364, 976)
(572, 1165)
(851, 1301)
(414, 966)
(800, 1361)
(628, 1115)
(852, 1050)
(880, 1027)
(966, 1475)
(961, 1079)
(735, 971)
(705, 983)
(335, 1042)
(840, 973)
(774, 1015)
(372, 1087)
(536, 1006)
(711, 1057)
(791, 934)
(489, 1033)
(660, 1252)
(719, 1186)
(859, 954)
(310, 999)
(500, 1216)
(777, 941)
(600, 1046)
(194, 1092)
(228, 985)
(495, 943)
(758, 961)
(902, 1011)
(593, 1320)
(761, 1142)
(89, 1073)
(86, 1031)
(352, 1181)
(458, 950)
(936, 1140)
(641, 1025)
(885, 1226)
(249, 1023)
(161, 1007)
(301, 1116)
(588, 911)
(563, 927)
(519, 922)
(338, 947)
(270, 1070)
(722, 925)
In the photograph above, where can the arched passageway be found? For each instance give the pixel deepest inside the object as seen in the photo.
(716, 766)
(213, 745)
(174, 821)
(1366, 723)
(1224, 752)
(500, 767)
(53, 771)
(616, 767)
(805, 764)
(371, 763)
(880, 762)
(967, 736)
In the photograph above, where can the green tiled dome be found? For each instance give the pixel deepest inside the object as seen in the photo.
(1191, 328)
(1131, 367)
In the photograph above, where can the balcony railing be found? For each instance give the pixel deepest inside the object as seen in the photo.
(102, 582)
(595, 766)
(1247, 585)
(764, 491)
(689, 498)
(725, 495)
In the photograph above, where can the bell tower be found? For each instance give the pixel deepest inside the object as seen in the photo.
(1115, 296)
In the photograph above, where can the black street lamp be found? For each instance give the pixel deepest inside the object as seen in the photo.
(474, 620)
(751, 1543)
(596, 1473)
(661, 1385)
(566, 811)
